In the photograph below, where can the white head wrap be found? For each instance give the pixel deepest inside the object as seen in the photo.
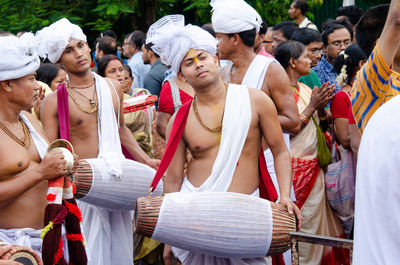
(234, 16)
(54, 38)
(173, 40)
(18, 56)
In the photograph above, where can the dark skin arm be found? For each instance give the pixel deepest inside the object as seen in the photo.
(277, 86)
(162, 123)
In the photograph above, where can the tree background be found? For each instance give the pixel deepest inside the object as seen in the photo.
(124, 16)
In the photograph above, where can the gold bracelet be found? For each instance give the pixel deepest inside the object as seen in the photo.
(303, 118)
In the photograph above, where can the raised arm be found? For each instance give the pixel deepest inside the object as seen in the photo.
(277, 86)
(389, 41)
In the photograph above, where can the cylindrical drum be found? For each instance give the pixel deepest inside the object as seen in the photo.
(95, 184)
(222, 224)
(23, 255)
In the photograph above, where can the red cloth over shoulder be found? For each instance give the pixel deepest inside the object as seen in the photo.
(166, 103)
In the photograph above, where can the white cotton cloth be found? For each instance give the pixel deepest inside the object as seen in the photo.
(40, 143)
(235, 128)
(54, 38)
(234, 16)
(108, 233)
(19, 56)
(376, 220)
(172, 41)
(163, 23)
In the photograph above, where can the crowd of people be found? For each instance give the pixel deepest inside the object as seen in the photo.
(296, 114)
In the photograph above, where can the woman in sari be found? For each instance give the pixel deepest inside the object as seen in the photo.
(308, 175)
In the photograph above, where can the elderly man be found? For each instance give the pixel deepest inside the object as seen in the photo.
(223, 131)
(88, 112)
(25, 168)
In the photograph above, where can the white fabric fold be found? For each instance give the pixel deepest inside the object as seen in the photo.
(172, 40)
(234, 16)
(54, 38)
(40, 143)
(235, 127)
(19, 56)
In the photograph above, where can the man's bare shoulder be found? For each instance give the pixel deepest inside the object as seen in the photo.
(50, 101)
(35, 123)
(260, 100)
(274, 71)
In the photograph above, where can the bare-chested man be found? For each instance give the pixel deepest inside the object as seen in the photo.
(236, 24)
(25, 168)
(219, 110)
(96, 130)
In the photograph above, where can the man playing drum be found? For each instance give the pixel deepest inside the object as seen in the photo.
(88, 113)
(224, 128)
(25, 168)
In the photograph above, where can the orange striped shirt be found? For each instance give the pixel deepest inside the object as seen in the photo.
(375, 84)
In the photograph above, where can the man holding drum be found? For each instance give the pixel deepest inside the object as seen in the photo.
(25, 167)
(224, 128)
(87, 111)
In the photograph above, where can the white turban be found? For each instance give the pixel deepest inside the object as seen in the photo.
(18, 56)
(234, 16)
(173, 40)
(54, 38)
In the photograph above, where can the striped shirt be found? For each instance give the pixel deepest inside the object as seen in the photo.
(375, 84)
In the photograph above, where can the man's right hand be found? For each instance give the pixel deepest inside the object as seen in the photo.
(53, 165)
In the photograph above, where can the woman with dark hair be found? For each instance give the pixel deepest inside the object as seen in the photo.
(346, 66)
(308, 173)
(51, 74)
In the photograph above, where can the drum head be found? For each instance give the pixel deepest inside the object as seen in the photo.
(25, 258)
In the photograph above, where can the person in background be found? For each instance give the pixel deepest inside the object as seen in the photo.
(105, 45)
(308, 175)
(268, 41)
(297, 11)
(282, 32)
(312, 39)
(352, 12)
(260, 41)
(347, 64)
(51, 74)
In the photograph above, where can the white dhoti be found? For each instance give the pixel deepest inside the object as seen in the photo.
(107, 208)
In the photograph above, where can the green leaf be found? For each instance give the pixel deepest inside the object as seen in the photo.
(112, 9)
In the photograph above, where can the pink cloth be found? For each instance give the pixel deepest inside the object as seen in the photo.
(263, 52)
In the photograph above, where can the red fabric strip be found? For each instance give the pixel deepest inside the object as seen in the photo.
(63, 111)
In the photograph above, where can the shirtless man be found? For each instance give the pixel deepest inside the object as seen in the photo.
(25, 168)
(96, 131)
(202, 133)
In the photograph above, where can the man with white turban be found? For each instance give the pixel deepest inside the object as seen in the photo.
(236, 23)
(25, 168)
(88, 112)
(219, 120)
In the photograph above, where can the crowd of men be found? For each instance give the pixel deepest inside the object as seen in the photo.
(242, 107)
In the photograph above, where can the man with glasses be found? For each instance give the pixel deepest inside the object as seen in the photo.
(133, 50)
(336, 38)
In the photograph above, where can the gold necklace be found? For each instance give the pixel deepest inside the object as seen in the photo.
(81, 87)
(93, 102)
(26, 142)
(196, 112)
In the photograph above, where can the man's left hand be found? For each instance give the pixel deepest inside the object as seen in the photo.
(292, 208)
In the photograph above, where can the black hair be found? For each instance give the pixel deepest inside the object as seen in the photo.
(353, 58)
(328, 31)
(352, 12)
(137, 38)
(248, 37)
(302, 5)
(47, 72)
(263, 28)
(306, 36)
(287, 28)
(149, 46)
(209, 28)
(370, 27)
(110, 33)
(129, 70)
(287, 50)
(108, 45)
(104, 61)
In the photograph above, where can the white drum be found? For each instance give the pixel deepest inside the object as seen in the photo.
(222, 224)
